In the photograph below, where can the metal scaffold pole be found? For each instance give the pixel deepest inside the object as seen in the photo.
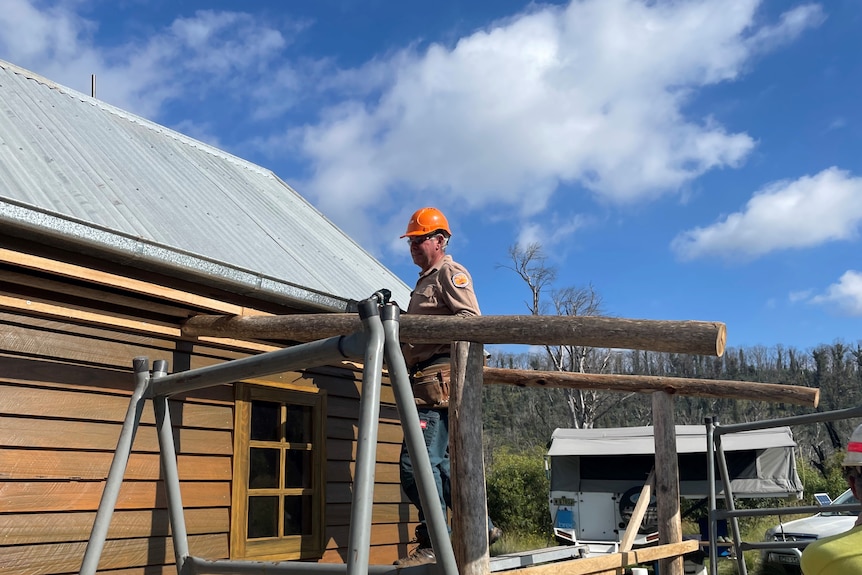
(377, 340)
(415, 441)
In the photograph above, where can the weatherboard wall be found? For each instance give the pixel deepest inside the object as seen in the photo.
(68, 334)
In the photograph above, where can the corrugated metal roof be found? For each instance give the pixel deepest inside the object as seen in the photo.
(77, 169)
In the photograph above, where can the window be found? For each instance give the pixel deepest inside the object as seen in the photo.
(278, 481)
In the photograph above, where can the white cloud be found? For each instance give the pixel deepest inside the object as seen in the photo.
(55, 32)
(791, 24)
(803, 213)
(230, 55)
(551, 231)
(584, 96)
(797, 296)
(556, 99)
(846, 295)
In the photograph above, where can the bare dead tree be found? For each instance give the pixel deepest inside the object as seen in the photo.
(584, 406)
(529, 263)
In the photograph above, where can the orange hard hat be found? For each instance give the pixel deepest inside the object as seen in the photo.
(426, 220)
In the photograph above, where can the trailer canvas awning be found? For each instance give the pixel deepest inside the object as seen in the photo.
(761, 463)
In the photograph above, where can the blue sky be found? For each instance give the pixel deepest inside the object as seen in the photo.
(691, 160)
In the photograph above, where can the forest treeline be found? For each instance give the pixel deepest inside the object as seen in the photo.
(524, 418)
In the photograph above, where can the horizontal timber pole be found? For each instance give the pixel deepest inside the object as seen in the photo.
(720, 388)
(600, 564)
(693, 337)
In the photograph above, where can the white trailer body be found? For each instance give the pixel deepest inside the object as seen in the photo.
(597, 476)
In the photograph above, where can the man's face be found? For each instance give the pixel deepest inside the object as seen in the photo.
(425, 250)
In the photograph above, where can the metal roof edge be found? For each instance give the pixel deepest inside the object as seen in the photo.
(29, 221)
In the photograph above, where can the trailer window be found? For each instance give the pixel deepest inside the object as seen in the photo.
(279, 461)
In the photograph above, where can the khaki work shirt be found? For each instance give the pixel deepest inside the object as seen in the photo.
(444, 290)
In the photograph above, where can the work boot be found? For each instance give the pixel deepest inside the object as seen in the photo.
(494, 535)
(422, 555)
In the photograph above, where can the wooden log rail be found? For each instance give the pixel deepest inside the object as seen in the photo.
(719, 388)
(467, 334)
(692, 337)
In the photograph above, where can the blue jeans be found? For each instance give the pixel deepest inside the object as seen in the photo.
(435, 429)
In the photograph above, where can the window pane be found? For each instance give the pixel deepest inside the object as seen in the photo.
(297, 468)
(297, 515)
(265, 421)
(262, 517)
(298, 424)
(262, 468)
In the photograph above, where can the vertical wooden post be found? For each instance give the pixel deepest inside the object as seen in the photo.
(469, 505)
(666, 479)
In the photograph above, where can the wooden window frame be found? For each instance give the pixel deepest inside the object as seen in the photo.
(292, 547)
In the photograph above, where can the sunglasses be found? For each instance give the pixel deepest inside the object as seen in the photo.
(420, 239)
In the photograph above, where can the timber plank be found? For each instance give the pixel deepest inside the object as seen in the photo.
(216, 349)
(37, 528)
(48, 374)
(19, 318)
(340, 428)
(97, 277)
(55, 345)
(148, 570)
(342, 450)
(46, 338)
(611, 561)
(30, 464)
(387, 534)
(56, 403)
(52, 496)
(339, 513)
(352, 389)
(84, 435)
(117, 554)
(83, 314)
(377, 554)
(344, 472)
(50, 349)
(343, 493)
(347, 408)
(25, 284)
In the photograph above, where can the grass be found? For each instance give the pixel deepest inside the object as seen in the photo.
(512, 542)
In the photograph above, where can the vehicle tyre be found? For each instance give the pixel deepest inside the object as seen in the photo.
(627, 506)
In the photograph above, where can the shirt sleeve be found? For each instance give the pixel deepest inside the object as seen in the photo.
(456, 288)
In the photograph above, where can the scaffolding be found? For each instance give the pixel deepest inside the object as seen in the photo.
(716, 456)
(377, 341)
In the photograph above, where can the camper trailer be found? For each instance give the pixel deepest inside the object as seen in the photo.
(597, 476)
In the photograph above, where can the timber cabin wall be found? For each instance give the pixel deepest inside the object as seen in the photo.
(69, 329)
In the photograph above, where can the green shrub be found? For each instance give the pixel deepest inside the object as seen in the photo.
(517, 488)
(833, 483)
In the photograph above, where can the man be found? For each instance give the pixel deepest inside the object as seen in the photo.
(443, 288)
(841, 554)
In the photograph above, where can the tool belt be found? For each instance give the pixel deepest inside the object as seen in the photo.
(430, 382)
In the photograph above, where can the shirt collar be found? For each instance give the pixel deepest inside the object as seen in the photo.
(432, 269)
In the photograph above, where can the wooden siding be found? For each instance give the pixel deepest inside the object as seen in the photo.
(68, 335)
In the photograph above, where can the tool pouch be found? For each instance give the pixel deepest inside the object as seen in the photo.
(431, 385)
